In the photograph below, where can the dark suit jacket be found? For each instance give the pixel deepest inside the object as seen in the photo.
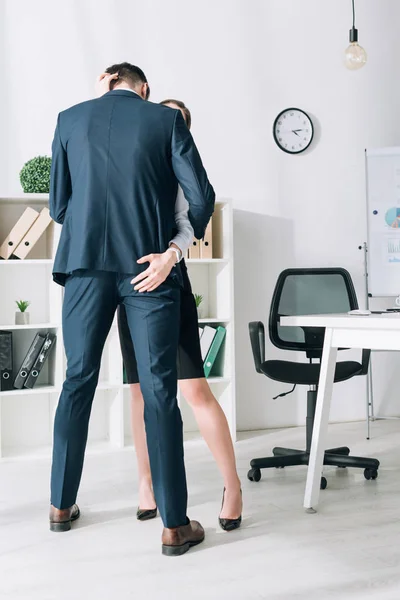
(116, 164)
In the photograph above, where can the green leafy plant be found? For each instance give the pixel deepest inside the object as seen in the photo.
(22, 305)
(198, 299)
(35, 175)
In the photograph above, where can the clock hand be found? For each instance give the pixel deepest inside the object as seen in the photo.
(295, 132)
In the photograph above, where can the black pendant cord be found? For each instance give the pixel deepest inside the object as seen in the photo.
(353, 34)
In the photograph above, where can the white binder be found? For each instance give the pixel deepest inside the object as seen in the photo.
(34, 233)
(206, 250)
(17, 233)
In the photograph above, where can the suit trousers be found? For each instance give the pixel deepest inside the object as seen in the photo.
(90, 301)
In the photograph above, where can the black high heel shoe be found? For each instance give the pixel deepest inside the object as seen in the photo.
(145, 514)
(229, 524)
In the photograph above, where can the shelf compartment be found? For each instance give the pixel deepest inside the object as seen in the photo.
(221, 235)
(49, 378)
(11, 211)
(25, 424)
(213, 282)
(35, 285)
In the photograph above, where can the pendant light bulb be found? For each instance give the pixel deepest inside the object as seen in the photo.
(355, 55)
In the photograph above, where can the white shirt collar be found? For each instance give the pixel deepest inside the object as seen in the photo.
(126, 90)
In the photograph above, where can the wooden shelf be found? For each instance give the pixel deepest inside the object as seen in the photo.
(40, 389)
(209, 379)
(206, 261)
(26, 262)
(213, 320)
(30, 326)
(24, 199)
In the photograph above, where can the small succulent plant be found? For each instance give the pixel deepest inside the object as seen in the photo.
(22, 305)
(198, 299)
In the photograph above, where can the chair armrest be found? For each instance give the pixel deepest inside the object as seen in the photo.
(257, 339)
(366, 354)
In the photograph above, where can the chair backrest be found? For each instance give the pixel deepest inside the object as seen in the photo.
(305, 292)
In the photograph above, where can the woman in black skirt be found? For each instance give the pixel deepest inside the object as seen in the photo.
(193, 385)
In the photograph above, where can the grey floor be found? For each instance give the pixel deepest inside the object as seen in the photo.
(349, 550)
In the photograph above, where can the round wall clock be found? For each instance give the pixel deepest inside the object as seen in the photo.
(293, 130)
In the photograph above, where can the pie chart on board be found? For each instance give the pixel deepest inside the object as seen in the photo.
(392, 218)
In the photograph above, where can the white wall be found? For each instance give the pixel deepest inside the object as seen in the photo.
(237, 64)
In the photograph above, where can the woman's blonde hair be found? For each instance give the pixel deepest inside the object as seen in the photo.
(184, 109)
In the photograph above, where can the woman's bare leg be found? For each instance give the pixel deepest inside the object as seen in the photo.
(214, 428)
(146, 496)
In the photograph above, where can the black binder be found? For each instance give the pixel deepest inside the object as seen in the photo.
(6, 361)
(29, 360)
(41, 359)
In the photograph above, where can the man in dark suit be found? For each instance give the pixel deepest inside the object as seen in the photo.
(117, 161)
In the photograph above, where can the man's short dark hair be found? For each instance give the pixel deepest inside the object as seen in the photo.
(131, 74)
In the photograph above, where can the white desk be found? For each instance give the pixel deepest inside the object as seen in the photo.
(377, 332)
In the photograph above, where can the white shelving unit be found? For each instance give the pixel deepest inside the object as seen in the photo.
(26, 416)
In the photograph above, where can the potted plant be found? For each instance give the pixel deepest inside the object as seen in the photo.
(22, 317)
(35, 175)
(198, 299)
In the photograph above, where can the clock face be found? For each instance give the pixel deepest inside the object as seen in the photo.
(293, 130)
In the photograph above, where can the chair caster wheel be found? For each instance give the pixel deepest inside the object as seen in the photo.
(371, 474)
(323, 484)
(254, 475)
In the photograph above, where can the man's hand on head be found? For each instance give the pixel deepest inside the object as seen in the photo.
(103, 83)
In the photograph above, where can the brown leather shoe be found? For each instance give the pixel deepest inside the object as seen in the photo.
(179, 540)
(61, 519)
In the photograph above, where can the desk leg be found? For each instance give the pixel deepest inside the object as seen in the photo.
(320, 430)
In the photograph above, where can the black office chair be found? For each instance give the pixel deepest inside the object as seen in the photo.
(302, 292)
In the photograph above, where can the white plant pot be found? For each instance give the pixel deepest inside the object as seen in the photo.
(21, 318)
(200, 312)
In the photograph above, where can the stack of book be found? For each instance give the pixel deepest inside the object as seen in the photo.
(211, 339)
(25, 233)
(32, 364)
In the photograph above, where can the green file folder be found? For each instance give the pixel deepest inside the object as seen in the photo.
(214, 349)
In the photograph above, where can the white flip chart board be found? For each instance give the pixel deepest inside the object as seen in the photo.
(383, 221)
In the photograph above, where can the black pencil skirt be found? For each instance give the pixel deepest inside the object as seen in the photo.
(189, 361)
